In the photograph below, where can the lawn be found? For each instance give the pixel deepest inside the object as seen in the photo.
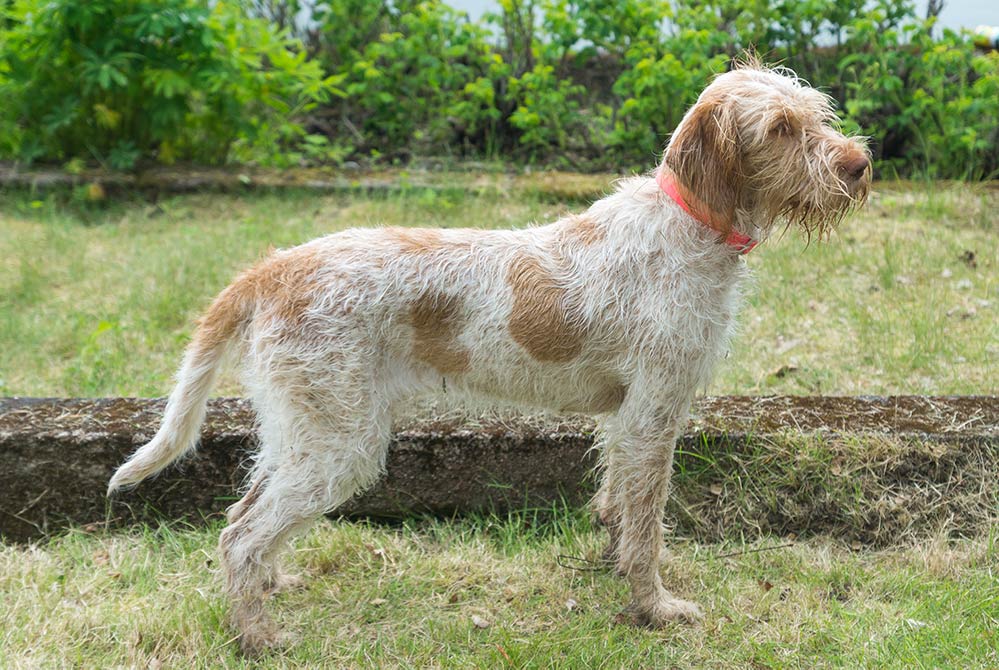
(493, 593)
(98, 299)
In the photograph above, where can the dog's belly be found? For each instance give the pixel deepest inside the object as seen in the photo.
(556, 388)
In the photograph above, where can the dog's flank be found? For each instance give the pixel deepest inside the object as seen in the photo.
(621, 311)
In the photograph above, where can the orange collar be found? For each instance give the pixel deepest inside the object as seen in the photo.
(741, 243)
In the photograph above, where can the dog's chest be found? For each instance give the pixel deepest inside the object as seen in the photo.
(668, 311)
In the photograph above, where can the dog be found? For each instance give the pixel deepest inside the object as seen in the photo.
(620, 312)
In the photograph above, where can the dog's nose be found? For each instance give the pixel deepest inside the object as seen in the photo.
(856, 166)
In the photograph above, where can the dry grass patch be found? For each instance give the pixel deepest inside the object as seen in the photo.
(903, 298)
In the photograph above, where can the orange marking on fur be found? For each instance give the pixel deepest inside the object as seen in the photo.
(416, 240)
(539, 320)
(584, 230)
(281, 284)
(219, 323)
(704, 155)
(437, 321)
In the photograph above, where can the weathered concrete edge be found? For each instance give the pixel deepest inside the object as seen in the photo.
(556, 184)
(58, 454)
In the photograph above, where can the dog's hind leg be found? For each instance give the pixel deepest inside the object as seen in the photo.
(277, 579)
(319, 469)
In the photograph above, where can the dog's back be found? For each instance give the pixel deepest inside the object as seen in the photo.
(620, 311)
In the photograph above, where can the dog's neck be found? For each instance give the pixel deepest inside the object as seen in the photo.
(701, 211)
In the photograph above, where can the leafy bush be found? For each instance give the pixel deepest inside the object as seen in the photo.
(546, 108)
(929, 103)
(579, 83)
(409, 70)
(122, 81)
(932, 105)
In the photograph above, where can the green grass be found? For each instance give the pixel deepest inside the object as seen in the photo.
(99, 300)
(888, 306)
(410, 596)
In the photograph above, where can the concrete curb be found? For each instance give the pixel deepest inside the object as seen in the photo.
(58, 454)
(557, 185)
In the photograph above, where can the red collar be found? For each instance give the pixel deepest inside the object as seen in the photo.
(742, 243)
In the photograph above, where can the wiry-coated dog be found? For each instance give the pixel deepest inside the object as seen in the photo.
(620, 311)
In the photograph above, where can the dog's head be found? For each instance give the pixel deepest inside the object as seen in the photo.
(762, 146)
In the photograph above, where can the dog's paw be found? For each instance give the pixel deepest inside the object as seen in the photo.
(283, 583)
(254, 644)
(664, 611)
(258, 633)
(257, 642)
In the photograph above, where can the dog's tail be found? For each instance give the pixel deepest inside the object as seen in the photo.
(218, 330)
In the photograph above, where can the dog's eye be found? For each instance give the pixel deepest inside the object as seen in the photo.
(781, 128)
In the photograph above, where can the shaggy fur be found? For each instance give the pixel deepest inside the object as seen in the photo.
(620, 311)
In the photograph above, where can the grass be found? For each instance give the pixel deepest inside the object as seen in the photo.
(491, 593)
(99, 300)
(870, 490)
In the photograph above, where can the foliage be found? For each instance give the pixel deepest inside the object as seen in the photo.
(932, 104)
(576, 83)
(546, 107)
(123, 81)
(408, 69)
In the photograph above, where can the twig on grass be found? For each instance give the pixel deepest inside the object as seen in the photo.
(588, 565)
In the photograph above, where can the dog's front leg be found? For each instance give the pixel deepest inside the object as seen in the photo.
(605, 502)
(645, 438)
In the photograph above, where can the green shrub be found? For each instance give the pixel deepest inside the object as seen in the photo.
(414, 72)
(663, 76)
(932, 105)
(547, 109)
(578, 83)
(127, 81)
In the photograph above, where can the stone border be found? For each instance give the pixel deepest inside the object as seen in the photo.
(557, 185)
(58, 454)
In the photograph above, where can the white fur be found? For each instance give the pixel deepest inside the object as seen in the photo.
(650, 291)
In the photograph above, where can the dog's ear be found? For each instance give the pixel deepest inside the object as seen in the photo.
(704, 155)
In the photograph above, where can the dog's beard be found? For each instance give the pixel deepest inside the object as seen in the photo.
(817, 206)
